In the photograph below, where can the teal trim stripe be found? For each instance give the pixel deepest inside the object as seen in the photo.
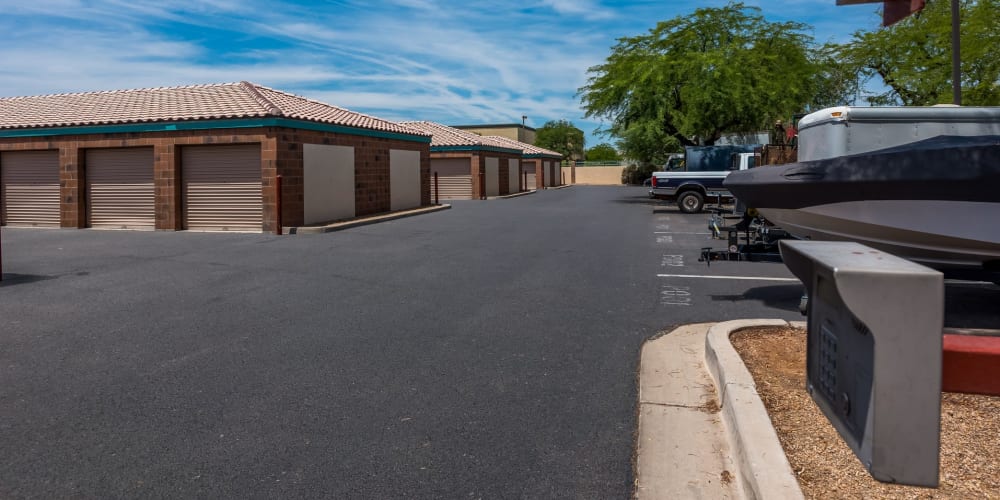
(444, 149)
(210, 125)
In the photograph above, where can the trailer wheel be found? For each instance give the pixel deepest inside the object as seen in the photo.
(691, 202)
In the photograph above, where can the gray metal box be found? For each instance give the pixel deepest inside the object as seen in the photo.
(873, 363)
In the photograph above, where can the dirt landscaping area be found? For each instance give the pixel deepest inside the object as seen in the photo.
(826, 467)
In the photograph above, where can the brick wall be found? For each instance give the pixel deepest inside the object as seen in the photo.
(166, 163)
(281, 153)
(505, 171)
(371, 170)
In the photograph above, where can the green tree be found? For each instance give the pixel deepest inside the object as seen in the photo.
(694, 77)
(602, 152)
(561, 136)
(913, 56)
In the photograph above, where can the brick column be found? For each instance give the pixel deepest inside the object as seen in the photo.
(476, 168)
(72, 182)
(167, 186)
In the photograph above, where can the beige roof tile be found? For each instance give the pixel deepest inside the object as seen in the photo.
(445, 136)
(529, 149)
(193, 102)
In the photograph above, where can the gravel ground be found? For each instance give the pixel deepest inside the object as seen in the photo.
(826, 467)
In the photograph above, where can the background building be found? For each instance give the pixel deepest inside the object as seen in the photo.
(515, 131)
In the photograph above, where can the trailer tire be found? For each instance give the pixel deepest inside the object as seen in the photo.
(690, 202)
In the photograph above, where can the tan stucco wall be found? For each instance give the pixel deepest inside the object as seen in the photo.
(607, 176)
(523, 134)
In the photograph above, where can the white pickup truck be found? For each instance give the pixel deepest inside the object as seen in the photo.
(691, 189)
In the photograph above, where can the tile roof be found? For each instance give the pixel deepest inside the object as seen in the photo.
(529, 149)
(445, 136)
(187, 103)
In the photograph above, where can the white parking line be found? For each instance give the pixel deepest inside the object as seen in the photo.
(700, 276)
(675, 232)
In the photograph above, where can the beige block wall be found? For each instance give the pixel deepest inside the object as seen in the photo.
(492, 176)
(605, 176)
(404, 179)
(328, 182)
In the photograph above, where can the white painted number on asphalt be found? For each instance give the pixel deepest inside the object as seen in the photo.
(671, 295)
(664, 239)
(672, 261)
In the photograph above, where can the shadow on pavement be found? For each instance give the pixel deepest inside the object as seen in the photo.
(784, 297)
(22, 279)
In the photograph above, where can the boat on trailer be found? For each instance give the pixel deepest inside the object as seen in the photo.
(920, 183)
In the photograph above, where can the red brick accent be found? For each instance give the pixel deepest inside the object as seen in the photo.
(72, 207)
(478, 176)
(971, 364)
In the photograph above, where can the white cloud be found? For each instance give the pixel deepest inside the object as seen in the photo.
(583, 8)
(474, 61)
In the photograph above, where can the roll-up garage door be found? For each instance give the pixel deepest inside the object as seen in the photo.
(454, 178)
(120, 188)
(29, 188)
(222, 188)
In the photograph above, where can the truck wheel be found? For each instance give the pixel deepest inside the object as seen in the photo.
(691, 202)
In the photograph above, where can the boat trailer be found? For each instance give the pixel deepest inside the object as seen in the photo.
(751, 239)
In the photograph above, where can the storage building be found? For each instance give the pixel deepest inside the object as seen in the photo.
(203, 157)
(469, 166)
(536, 163)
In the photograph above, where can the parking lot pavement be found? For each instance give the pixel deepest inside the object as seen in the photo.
(488, 351)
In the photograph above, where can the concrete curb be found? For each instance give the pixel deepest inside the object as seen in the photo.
(763, 467)
(682, 450)
(508, 196)
(564, 186)
(340, 226)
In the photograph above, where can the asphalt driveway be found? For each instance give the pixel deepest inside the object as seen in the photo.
(487, 351)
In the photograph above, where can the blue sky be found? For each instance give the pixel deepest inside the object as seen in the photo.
(467, 62)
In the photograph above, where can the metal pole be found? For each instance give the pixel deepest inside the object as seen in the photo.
(277, 203)
(956, 53)
(437, 190)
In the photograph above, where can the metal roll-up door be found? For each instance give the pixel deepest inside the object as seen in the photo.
(120, 191)
(29, 188)
(454, 178)
(222, 188)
